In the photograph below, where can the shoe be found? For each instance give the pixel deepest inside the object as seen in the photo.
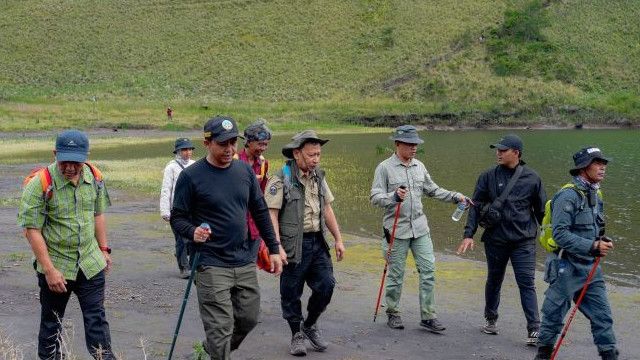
(298, 347)
(532, 338)
(490, 327)
(610, 354)
(315, 338)
(395, 322)
(184, 273)
(544, 352)
(433, 325)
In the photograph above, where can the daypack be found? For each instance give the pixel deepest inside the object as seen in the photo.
(546, 228)
(47, 183)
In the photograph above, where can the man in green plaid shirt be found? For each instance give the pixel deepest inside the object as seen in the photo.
(66, 229)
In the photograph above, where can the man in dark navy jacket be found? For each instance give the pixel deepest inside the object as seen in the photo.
(514, 236)
(219, 190)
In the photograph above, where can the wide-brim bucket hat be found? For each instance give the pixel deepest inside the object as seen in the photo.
(407, 134)
(585, 157)
(298, 140)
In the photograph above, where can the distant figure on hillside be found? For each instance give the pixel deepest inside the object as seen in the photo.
(183, 149)
(169, 113)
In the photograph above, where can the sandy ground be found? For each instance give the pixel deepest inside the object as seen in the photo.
(144, 294)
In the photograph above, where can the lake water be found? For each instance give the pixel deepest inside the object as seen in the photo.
(454, 160)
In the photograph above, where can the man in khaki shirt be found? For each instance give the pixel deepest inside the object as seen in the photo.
(299, 202)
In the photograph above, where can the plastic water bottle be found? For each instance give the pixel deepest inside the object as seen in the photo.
(457, 214)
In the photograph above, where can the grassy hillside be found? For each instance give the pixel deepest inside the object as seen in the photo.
(121, 62)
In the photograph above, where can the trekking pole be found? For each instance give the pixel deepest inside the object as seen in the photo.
(565, 329)
(194, 266)
(386, 260)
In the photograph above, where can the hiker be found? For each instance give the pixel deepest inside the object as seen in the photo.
(219, 191)
(257, 137)
(403, 178)
(66, 229)
(299, 201)
(183, 150)
(578, 230)
(169, 113)
(510, 230)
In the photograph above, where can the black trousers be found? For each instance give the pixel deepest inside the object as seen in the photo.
(316, 270)
(90, 293)
(523, 260)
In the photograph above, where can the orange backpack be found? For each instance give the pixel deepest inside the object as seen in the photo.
(47, 183)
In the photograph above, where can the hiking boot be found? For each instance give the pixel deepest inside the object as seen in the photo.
(298, 347)
(610, 354)
(532, 337)
(490, 327)
(184, 273)
(315, 338)
(544, 352)
(395, 322)
(433, 325)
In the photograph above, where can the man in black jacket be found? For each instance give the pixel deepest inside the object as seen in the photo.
(219, 190)
(513, 237)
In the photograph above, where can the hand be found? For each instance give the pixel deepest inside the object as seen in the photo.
(276, 264)
(55, 281)
(467, 243)
(201, 234)
(401, 192)
(339, 250)
(603, 247)
(166, 217)
(283, 255)
(465, 200)
(107, 258)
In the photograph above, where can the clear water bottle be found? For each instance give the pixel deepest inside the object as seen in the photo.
(457, 214)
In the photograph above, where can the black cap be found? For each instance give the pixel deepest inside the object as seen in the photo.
(182, 143)
(221, 128)
(510, 141)
(585, 157)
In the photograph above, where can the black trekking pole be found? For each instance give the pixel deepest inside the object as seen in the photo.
(194, 266)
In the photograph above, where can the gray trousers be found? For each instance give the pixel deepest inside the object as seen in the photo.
(229, 301)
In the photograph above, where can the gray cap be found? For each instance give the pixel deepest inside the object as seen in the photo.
(585, 157)
(258, 131)
(510, 141)
(407, 134)
(72, 145)
(298, 140)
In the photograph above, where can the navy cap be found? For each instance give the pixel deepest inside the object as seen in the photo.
(585, 157)
(220, 129)
(407, 134)
(72, 145)
(508, 142)
(182, 143)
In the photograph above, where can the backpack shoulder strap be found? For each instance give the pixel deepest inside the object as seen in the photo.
(178, 162)
(97, 176)
(46, 182)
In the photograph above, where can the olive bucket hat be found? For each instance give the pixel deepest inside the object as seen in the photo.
(298, 140)
(182, 143)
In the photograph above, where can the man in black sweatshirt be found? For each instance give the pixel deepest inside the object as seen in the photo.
(513, 236)
(219, 191)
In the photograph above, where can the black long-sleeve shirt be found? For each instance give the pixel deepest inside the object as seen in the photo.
(221, 197)
(522, 211)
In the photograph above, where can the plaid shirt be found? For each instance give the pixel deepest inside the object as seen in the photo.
(67, 221)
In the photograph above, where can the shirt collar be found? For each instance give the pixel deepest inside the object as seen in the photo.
(586, 184)
(396, 161)
(59, 181)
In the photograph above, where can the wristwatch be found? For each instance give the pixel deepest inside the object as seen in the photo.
(105, 248)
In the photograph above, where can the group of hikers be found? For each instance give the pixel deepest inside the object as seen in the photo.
(228, 213)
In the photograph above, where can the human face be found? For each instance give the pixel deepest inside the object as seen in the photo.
(509, 157)
(308, 157)
(257, 148)
(70, 169)
(186, 154)
(221, 154)
(406, 151)
(595, 172)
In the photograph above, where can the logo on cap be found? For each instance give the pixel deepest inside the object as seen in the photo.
(72, 143)
(227, 125)
(592, 150)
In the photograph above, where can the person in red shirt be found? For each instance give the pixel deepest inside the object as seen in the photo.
(257, 137)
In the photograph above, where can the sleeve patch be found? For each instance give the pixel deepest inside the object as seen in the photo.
(273, 190)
